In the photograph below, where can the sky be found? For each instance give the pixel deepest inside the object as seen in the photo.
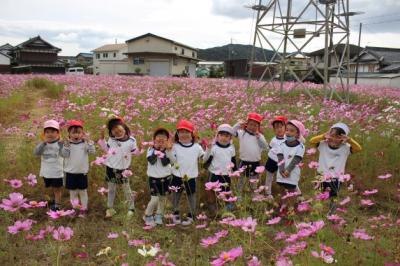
(81, 26)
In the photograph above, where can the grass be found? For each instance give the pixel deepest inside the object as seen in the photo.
(53, 90)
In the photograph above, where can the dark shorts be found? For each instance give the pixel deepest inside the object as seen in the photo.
(222, 179)
(115, 176)
(53, 182)
(289, 187)
(250, 168)
(333, 187)
(76, 181)
(190, 185)
(159, 186)
(271, 166)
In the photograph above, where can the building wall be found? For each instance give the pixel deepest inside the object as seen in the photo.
(376, 81)
(4, 60)
(32, 57)
(111, 67)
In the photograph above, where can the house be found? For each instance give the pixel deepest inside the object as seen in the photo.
(6, 49)
(239, 68)
(5, 63)
(84, 59)
(377, 60)
(69, 61)
(317, 57)
(158, 56)
(36, 56)
(110, 59)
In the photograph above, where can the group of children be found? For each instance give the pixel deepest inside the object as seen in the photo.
(173, 162)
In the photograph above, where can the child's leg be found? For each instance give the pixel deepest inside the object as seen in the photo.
(73, 195)
(192, 204)
(161, 205)
(112, 188)
(153, 203)
(128, 195)
(176, 197)
(57, 196)
(268, 182)
(84, 198)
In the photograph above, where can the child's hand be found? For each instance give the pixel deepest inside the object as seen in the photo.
(327, 135)
(285, 173)
(344, 138)
(243, 124)
(102, 133)
(169, 144)
(66, 143)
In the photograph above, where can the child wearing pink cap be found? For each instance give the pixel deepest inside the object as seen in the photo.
(290, 154)
(51, 166)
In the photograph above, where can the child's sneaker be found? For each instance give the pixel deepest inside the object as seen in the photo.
(158, 219)
(149, 220)
(188, 221)
(82, 213)
(130, 213)
(110, 213)
(176, 219)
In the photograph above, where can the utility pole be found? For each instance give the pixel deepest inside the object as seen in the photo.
(357, 63)
(253, 48)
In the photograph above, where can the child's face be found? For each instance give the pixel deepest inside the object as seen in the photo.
(279, 129)
(76, 134)
(334, 139)
(118, 132)
(160, 142)
(291, 131)
(224, 138)
(51, 134)
(252, 126)
(185, 136)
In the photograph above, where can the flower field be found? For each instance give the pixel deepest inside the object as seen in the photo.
(364, 230)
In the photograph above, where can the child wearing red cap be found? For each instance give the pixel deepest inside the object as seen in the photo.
(184, 155)
(51, 166)
(119, 148)
(76, 152)
(271, 166)
(251, 143)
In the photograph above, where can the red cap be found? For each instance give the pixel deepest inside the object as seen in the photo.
(75, 123)
(256, 117)
(282, 119)
(184, 124)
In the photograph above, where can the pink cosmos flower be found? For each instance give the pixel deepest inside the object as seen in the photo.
(215, 186)
(35, 204)
(102, 190)
(290, 195)
(259, 169)
(280, 236)
(32, 180)
(303, 207)
(61, 213)
(313, 165)
(228, 256)
(174, 188)
(99, 160)
(345, 201)
(366, 202)
(344, 177)
(14, 183)
(311, 151)
(322, 196)
(127, 173)
(361, 234)
(137, 242)
(209, 241)
(63, 233)
(254, 261)
(112, 235)
(19, 226)
(159, 154)
(14, 202)
(383, 177)
(370, 192)
(231, 199)
(274, 220)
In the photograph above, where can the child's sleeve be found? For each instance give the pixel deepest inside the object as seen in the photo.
(354, 146)
(165, 160)
(65, 151)
(281, 158)
(39, 148)
(298, 157)
(208, 157)
(236, 129)
(133, 144)
(90, 147)
(171, 154)
(151, 156)
(262, 142)
(317, 139)
(233, 159)
(201, 151)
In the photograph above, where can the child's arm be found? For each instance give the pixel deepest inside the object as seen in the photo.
(103, 145)
(39, 148)
(151, 156)
(355, 146)
(317, 139)
(295, 161)
(207, 158)
(65, 150)
(262, 142)
(281, 164)
(236, 128)
(165, 160)
(233, 160)
(91, 149)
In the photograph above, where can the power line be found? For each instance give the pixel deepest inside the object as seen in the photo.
(373, 17)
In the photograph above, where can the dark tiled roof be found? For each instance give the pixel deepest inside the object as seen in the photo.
(388, 55)
(354, 50)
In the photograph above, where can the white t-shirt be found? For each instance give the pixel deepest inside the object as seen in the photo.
(120, 153)
(185, 158)
(251, 147)
(289, 153)
(273, 147)
(77, 157)
(157, 170)
(51, 165)
(333, 161)
(222, 158)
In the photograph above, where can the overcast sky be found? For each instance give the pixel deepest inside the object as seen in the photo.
(81, 26)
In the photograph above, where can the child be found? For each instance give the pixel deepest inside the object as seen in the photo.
(51, 167)
(251, 143)
(119, 147)
(334, 148)
(184, 154)
(218, 159)
(159, 173)
(76, 152)
(290, 154)
(271, 166)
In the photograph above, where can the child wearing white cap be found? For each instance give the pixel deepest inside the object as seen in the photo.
(334, 148)
(51, 166)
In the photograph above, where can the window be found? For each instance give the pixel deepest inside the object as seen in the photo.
(97, 56)
(115, 54)
(183, 51)
(176, 48)
(194, 54)
(105, 55)
(138, 61)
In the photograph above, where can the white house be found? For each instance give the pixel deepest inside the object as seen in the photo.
(110, 59)
(158, 56)
(5, 63)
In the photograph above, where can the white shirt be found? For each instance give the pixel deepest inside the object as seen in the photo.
(51, 165)
(273, 147)
(157, 170)
(333, 161)
(222, 158)
(119, 154)
(289, 153)
(185, 159)
(251, 146)
(77, 157)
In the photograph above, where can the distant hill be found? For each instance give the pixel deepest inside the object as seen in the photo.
(237, 51)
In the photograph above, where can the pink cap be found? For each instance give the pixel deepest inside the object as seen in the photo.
(52, 124)
(300, 127)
